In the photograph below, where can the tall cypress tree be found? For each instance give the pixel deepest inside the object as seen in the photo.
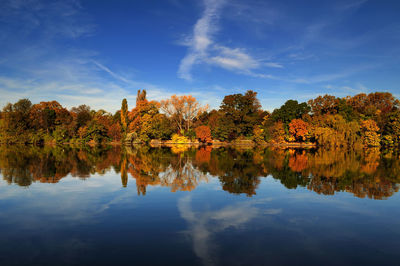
(124, 115)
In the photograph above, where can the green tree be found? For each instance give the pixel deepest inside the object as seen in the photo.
(15, 122)
(239, 114)
(82, 115)
(289, 111)
(391, 130)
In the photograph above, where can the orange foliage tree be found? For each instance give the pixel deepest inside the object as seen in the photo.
(47, 115)
(114, 131)
(203, 133)
(298, 129)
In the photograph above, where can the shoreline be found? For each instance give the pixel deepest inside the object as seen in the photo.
(170, 144)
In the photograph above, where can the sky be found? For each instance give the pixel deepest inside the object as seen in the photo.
(97, 52)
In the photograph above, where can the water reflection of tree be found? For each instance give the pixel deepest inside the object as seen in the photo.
(365, 173)
(24, 165)
(165, 167)
(329, 171)
(284, 165)
(145, 166)
(236, 170)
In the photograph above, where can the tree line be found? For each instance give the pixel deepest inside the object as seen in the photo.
(363, 120)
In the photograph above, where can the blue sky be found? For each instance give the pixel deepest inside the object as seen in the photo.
(98, 52)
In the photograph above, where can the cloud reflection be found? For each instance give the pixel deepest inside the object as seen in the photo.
(204, 225)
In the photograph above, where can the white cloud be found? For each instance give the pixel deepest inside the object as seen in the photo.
(204, 50)
(234, 59)
(273, 65)
(201, 39)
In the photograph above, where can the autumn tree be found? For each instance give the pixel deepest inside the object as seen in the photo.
(99, 127)
(82, 115)
(47, 115)
(182, 110)
(16, 116)
(391, 129)
(368, 105)
(203, 133)
(141, 118)
(298, 129)
(239, 114)
(278, 132)
(289, 111)
(124, 115)
(322, 105)
(147, 122)
(335, 131)
(114, 131)
(371, 137)
(141, 96)
(15, 122)
(258, 135)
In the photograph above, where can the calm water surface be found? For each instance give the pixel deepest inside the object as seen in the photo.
(198, 206)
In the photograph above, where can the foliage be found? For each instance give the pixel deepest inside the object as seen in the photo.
(179, 139)
(124, 115)
(148, 123)
(278, 133)
(323, 105)
(335, 131)
(203, 133)
(160, 127)
(81, 115)
(182, 110)
(298, 129)
(371, 137)
(238, 115)
(258, 135)
(115, 132)
(391, 129)
(368, 120)
(141, 96)
(289, 111)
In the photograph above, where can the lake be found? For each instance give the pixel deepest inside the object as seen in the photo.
(198, 206)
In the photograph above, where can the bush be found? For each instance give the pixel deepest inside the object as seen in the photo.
(178, 139)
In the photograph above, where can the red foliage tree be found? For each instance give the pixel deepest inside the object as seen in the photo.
(114, 131)
(298, 129)
(203, 133)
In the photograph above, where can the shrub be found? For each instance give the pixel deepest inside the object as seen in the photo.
(178, 139)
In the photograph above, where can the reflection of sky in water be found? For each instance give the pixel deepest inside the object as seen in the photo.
(97, 221)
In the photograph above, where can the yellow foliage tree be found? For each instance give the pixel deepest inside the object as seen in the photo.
(371, 137)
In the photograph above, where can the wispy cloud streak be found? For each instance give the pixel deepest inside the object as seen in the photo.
(203, 49)
(203, 30)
